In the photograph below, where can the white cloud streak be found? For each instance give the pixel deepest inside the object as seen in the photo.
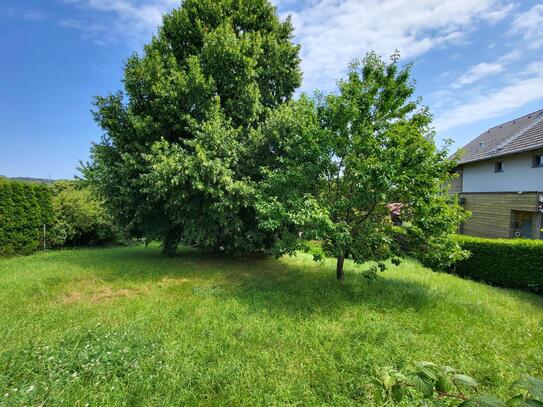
(525, 88)
(478, 72)
(34, 15)
(333, 32)
(132, 21)
(511, 91)
(530, 26)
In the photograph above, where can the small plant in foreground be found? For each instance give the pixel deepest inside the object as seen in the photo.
(434, 385)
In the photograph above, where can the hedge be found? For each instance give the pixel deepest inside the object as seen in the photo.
(512, 263)
(24, 209)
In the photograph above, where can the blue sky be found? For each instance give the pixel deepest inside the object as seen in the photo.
(477, 63)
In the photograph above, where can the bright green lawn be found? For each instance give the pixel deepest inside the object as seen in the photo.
(125, 326)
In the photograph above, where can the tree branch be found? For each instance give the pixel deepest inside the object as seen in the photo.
(370, 211)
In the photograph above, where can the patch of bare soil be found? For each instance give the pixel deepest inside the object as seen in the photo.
(100, 292)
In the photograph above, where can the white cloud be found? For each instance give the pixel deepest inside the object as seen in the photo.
(518, 88)
(334, 32)
(525, 88)
(500, 13)
(478, 72)
(34, 15)
(133, 21)
(530, 26)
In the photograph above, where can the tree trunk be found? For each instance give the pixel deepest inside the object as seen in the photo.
(169, 247)
(339, 268)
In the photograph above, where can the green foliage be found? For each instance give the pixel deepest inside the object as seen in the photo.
(432, 385)
(530, 392)
(177, 161)
(71, 214)
(80, 218)
(24, 209)
(206, 148)
(514, 263)
(339, 162)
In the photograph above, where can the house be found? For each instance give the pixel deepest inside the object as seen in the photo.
(501, 180)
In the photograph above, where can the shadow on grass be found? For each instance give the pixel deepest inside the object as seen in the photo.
(263, 283)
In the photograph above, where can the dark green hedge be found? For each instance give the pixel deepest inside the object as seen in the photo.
(513, 263)
(24, 209)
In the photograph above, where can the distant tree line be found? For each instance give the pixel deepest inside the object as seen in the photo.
(71, 215)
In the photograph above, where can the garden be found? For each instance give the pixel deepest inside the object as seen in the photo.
(232, 242)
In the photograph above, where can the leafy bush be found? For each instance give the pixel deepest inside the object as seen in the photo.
(80, 218)
(24, 209)
(514, 263)
(432, 385)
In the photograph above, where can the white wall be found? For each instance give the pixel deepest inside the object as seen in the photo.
(518, 175)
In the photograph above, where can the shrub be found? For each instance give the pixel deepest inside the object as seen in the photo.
(72, 215)
(512, 263)
(24, 209)
(80, 218)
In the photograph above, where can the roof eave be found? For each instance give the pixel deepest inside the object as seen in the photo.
(497, 155)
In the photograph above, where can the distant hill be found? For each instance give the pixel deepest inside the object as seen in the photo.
(30, 179)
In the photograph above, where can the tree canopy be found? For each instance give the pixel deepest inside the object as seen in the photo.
(207, 147)
(179, 159)
(343, 161)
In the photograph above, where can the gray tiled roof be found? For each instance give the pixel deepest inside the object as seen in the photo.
(522, 134)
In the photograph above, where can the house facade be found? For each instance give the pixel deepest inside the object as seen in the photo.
(500, 180)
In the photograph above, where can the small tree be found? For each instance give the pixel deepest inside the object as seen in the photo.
(340, 161)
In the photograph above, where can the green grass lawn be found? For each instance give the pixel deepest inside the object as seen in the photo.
(125, 326)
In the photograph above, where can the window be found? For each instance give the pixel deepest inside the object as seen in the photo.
(498, 167)
(538, 161)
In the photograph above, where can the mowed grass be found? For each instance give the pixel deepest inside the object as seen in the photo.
(125, 326)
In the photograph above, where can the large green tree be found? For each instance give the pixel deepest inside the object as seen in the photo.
(344, 161)
(179, 158)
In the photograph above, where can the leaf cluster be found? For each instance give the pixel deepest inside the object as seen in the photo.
(431, 385)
